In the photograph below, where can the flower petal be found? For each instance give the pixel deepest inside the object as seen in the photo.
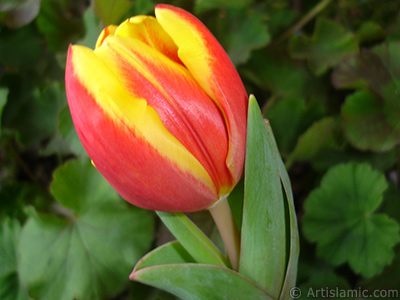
(185, 110)
(128, 142)
(108, 31)
(211, 67)
(149, 31)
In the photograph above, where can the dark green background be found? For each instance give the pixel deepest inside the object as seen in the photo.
(325, 73)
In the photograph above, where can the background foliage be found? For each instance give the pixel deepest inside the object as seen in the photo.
(327, 76)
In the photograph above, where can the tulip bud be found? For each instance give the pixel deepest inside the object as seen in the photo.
(161, 111)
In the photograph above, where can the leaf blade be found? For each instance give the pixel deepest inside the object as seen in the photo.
(294, 248)
(193, 239)
(263, 228)
(88, 252)
(183, 281)
(339, 217)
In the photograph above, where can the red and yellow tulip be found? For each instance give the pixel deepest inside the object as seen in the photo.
(161, 111)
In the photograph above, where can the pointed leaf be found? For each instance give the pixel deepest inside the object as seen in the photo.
(200, 282)
(263, 228)
(10, 286)
(193, 239)
(169, 253)
(294, 244)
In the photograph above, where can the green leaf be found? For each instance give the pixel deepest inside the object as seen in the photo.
(339, 217)
(378, 124)
(388, 279)
(10, 286)
(322, 135)
(391, 105)
(378, 69)
(280, 16)
(365, 123)
(39, 111)
(370, 31)
(285, 116)
(9, 234)
(355, 71)
(235, 199)
(13, 46)
(68, 132)
(263, 228)
(327, 158)
(272, 70)
(292, 228)
(246, 32)
(388, 53)
(373, 68)
(3, 102)
(200, 282)
(204, 5)
(329, 44)
(289, 117)
(93, 28)
(17, 196)
(59, 18)
(111, 11)
(89, 252)
(321, 284)
(391, 204)
(141, 7)
(169, 253)
(200, 247)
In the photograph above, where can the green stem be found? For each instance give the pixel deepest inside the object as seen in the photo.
(303, 21)
(226, 225)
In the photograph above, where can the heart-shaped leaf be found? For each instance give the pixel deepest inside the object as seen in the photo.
(10, 286)
(89, 252)
(329, 44)
(340, 217)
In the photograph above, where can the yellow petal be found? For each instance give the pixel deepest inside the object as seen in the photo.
(132, 112)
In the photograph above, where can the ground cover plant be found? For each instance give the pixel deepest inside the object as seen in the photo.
(326, 75)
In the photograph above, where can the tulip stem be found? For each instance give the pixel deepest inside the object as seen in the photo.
(226, 225)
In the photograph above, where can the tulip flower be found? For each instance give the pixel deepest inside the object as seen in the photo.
(161, 111)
